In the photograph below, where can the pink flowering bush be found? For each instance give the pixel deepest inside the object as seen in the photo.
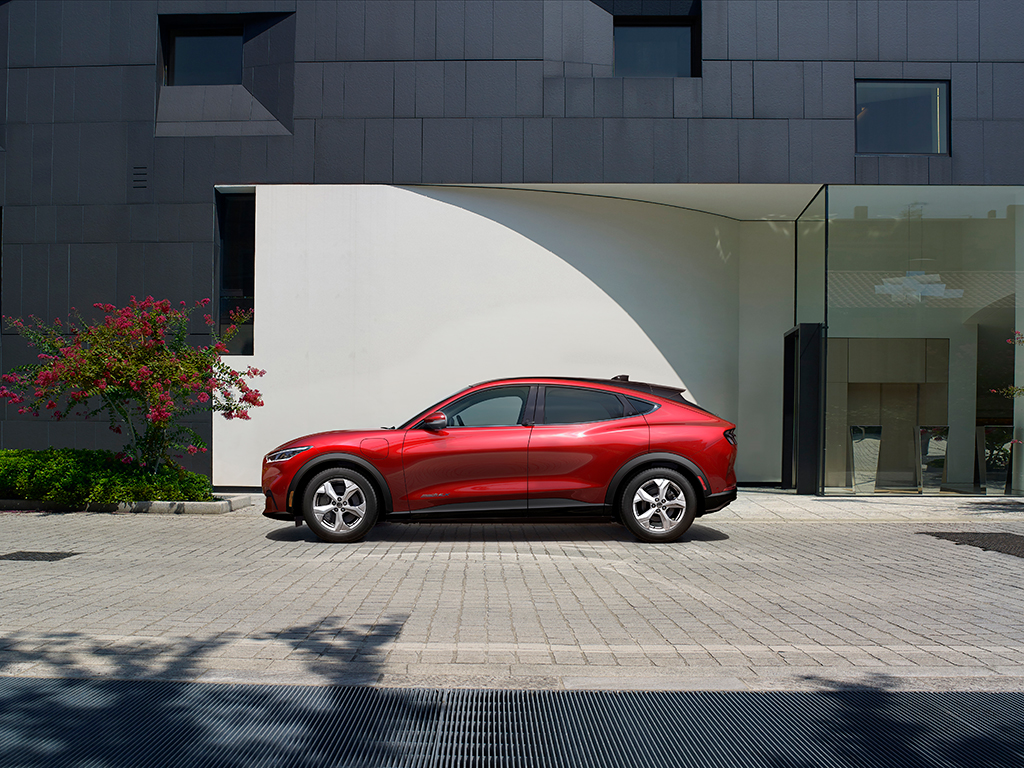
(136, 367)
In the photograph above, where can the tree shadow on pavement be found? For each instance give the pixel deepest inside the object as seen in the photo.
(130, 704)
(870, 723)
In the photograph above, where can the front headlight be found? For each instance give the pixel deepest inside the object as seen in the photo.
(287, 453)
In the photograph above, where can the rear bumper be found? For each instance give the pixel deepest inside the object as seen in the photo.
(717, 501)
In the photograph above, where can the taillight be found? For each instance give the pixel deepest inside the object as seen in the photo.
(730, 435)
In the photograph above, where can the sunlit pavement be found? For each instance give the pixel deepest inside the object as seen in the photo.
(777, 592)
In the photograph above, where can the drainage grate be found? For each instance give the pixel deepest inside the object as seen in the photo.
(39, 556)
(114, 723)
(1007, 543)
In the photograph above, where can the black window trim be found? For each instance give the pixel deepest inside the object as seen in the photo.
(920, 80)
(693, 22)
(627, 409)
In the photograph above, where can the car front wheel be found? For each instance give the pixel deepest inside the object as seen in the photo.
(339, 505)
(659, 504)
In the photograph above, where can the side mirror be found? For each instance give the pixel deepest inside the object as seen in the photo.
(435, 421)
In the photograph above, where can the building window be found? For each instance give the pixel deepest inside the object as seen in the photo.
(657, 46)
(236, 221)
(202, 55)
(902, 117)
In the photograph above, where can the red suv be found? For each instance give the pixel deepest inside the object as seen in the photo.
(641, 451)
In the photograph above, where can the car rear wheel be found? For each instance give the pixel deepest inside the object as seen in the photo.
(339, 505)
(659, 504)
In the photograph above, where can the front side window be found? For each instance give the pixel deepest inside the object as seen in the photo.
(198, 56)
(902, 117)
(569, 405)
(653, 46)
(500, 407)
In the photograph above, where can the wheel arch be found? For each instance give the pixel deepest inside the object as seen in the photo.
(681, 464)
(331, 460)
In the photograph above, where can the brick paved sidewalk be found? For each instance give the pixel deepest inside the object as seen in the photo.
(776, 592)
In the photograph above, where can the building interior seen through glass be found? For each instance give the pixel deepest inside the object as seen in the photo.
(922, 306)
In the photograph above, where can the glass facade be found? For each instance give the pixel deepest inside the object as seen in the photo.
(653, 51)
(921, 286)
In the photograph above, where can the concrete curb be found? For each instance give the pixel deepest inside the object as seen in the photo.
(222, 505)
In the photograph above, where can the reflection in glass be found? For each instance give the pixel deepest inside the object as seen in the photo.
(996, 452)
(866, 442)
(652, 51)
(933, 457)
(902, 117)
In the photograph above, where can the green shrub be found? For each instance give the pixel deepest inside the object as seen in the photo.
(79, 477)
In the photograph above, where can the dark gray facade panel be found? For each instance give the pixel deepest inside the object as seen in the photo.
(801, 151)
(552, 42)
(742, 89)
(26, 435)
(511, 150)
(138, 93)
(405, 89)
(70, 224)
(647, 96)
(167, 271)
(715, 29)
(687, 97)
(833, 148)
(42, 165)
(58, 265)
(450, 21)
(629, 151)
(903, 170)
(670, 152)
(35, 281)
(1001, 26)
(878, 70)
(932, 30)
(424, 30)
(576, 148)
(143, 223)
(713, 151)
(369, 89)
(892, 30)
(867, 30)
(803, 29)
(350, 33)
(767, 30)
(778, 89)
(339, 152)
(598, 42)
(455, 89)
(1003, 140)
(812, 89)
(92, 265)
(21, 51)
(66, 152)
(131, 269)
(40, 87)
(10, 281)
(479, 29)
(310, 82)
(430, 88)
(490, 88)
(554, 97)
(842, 30)
(572, 31)
(46, 224)
(940, 170)
(608, 97)
(743, 29)
(19, 164)
(85, 39)
(486, 150)
(447, 151)
(17, 95)
(866, 170)
(537, 144)
(106, 223)
(717, 89)
(201, 173)
(325, 44)
(390, 30)
(408, 153)
(967, 27)
(378, 165)
(576, 69)
(98, 94)
(837, 88)
(168, 173)
(518, 30)
(967, 151)
(168, 223)
(529, 88)
(579, 97)
(305, 30)
(926, 70)
(19, 224)
(1008, 90)
(986, 81)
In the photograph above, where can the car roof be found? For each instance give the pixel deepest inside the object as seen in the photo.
(621, 382)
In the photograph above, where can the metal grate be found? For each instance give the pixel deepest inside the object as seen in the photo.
(1007, 543)
(51, 722)
(38, 556)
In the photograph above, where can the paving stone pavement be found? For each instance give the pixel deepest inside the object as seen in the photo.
(777, 592)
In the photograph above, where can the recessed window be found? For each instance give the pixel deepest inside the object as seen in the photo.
(210, 56)
(657, 46)
(896, 117)
(236, 220)
(568, 405)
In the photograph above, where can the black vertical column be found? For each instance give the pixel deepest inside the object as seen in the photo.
(802, 408)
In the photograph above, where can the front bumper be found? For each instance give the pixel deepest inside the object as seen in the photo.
(716, 501)
(274, 511)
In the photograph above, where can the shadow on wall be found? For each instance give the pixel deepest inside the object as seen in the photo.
(673, 271)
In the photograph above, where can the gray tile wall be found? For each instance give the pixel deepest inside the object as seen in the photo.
(467, 91)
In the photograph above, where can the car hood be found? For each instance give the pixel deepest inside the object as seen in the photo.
(338, 437)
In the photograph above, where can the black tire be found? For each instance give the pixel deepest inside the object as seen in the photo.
(339, 505)
(658, 504)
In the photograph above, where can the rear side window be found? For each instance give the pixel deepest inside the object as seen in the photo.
(568, 405)
(641, 406)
